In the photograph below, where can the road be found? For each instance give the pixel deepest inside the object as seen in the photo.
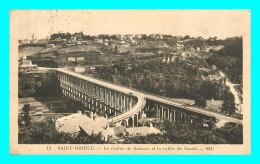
(232, 90)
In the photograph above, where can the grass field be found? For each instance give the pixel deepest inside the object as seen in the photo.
(47, 104)
(75, 49)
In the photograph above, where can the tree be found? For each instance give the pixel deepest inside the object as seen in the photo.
(232, 132)
(200, 100)
(114, 79)
(26, 114)
(212, 89)
(186, 36)
(47, 85)
(179, 133)
(45, 133)
(229, 102)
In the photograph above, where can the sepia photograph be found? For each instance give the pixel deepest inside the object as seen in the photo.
(130, 82)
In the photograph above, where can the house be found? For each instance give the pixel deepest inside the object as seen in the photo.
(38, 112)
(80, 122)
(206, 70)
(157, 36)
(122, 49)
(183, 56)
(70, 44)
(84, 42)
(73, 39)
(129, 67)
(79, 42)
(80, 58)
(215, 77)
(129, 36)
(160, 51)
(122, 42)
(173, 58)
(133, 42)
(119, 36)
(92, 67)
(212, 38)
(179, 46)
(164, 59)
(79, 69)
(215, 105)
(98, 40)
(79, 35)
(71, 59)
(203, 48)
(197, 48)
(50, 45)
(26, 41)
(163, 45)
(214, 67)
(138, 36)
(180, 41)
(26, 64)
(168, 59)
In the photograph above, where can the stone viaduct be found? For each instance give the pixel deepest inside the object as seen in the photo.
(122, 104)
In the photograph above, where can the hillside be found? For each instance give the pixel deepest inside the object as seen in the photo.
(29, 51)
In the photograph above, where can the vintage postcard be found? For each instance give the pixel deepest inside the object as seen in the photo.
(130, 82)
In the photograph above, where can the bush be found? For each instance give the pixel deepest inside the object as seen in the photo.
(200, 100)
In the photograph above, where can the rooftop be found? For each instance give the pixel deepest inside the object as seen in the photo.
(78, 121)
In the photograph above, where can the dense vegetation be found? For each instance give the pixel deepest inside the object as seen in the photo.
(38, 85)
(230, 59)
(45, 133)
(22, 46)
(179, 80)
(229, 103)
(191, 134)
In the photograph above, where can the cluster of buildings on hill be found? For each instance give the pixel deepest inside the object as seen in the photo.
(126, 43)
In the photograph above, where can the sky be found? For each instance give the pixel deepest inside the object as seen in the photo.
(205, 23)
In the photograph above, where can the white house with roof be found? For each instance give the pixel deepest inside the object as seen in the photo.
(77, 122)
(27, 64)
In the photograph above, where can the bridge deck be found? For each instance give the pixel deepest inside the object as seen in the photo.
(141, 99)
